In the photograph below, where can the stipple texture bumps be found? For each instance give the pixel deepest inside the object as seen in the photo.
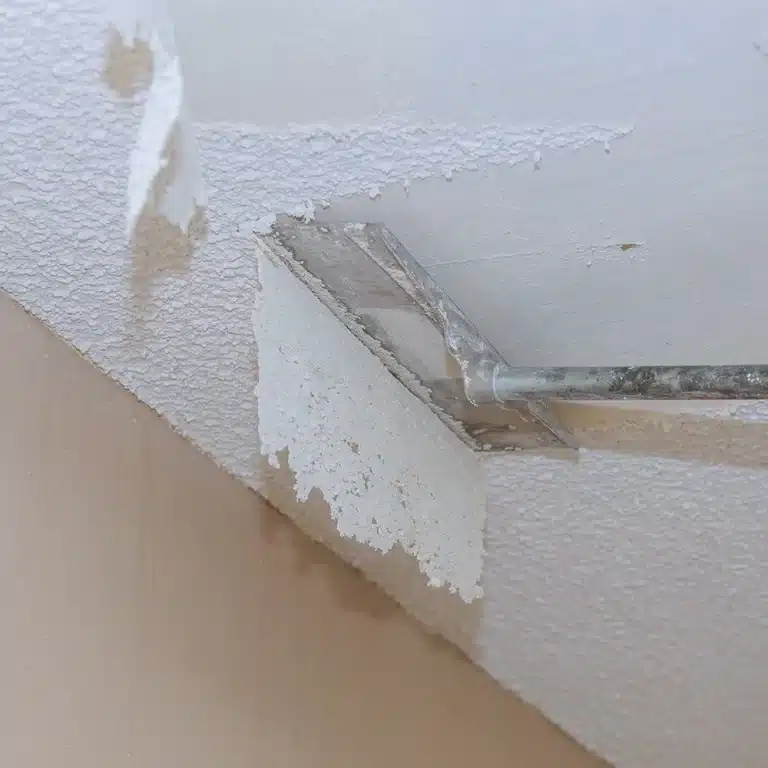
(625, 597)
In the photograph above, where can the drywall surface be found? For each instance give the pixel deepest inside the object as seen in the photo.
(163, 615)
(390, 470)
(535, 256)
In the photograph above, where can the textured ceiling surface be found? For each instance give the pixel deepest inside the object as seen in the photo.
(626, 597)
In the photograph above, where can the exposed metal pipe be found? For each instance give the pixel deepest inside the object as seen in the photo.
(732, 382)
(488, 379)
(367, 278)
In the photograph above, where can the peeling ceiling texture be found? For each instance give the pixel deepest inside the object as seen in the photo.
(516, 152)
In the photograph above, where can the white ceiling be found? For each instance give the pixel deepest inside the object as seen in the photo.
(534, 257)
(625, 597)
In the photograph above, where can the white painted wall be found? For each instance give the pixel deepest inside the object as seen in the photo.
(625, 597)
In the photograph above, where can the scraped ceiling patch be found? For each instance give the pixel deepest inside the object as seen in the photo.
(164, 125)
(390, 470)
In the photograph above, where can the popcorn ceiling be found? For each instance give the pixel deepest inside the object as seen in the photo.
(285, 168)
(623, 596)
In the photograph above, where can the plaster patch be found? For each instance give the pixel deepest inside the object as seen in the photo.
(185, 195)
(389, 469)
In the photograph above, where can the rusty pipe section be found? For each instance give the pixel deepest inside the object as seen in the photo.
(502, 383)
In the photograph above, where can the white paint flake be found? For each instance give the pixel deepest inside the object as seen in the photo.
(390, 471)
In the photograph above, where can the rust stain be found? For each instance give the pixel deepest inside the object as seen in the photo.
(127, 69)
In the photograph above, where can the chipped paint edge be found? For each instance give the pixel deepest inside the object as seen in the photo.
(391, 472)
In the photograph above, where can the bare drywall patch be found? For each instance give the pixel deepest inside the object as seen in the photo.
(163, 115)
(128, 65)
(672, 429)
(391, 472)
(166, 218)
(144, 26)
(160, 248)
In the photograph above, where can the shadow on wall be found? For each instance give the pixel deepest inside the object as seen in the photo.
(163, 614)
(396, 571)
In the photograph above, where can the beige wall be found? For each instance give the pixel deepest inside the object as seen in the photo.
(157, 613)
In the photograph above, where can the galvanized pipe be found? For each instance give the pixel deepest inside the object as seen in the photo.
(505, 383)
(488, 379)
